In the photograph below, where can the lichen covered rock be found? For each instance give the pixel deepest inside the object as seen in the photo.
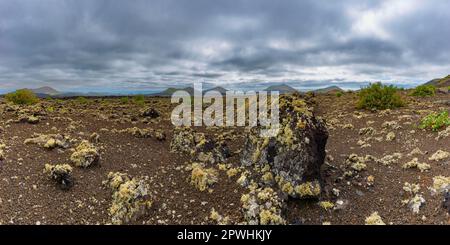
(49, 141)
(131, 198)
(374, 219)
(61, 174)
(296, 153)
(414, 163)
(203, 178)
(262, 206)
(85, 155)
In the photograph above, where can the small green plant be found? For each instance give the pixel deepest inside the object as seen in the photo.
(22, 97)
(82, 100)
(380, 97)
(139, 99)
(424, 91)
(50, 109)
(435, 121)
(124, 100)
(339, 94)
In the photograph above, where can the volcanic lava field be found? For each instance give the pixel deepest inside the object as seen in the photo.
(111, 161)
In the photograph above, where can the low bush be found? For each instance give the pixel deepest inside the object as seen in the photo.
(139, 99)
(435, 121)
(22, 97)
(424, 91)
(380, 97)
(82, 100)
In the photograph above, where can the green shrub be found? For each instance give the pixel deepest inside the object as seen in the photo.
(339, 94)
(379, 96)
(139, 99)
(22, 97)
(435, 121)
(124, 100)
(424, 91)
(82, 100)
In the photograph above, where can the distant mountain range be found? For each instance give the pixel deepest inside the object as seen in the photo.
(330, 89)
(45, 92)
(282, 88)
(440, 82)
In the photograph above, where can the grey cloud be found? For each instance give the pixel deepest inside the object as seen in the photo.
(141, 44)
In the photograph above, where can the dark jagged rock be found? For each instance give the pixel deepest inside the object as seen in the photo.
(446, 203)
(151, 113)
(296, 154)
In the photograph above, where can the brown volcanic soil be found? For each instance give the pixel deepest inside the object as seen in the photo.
(28, 196)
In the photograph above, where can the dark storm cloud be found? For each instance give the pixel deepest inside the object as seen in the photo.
(146, 44)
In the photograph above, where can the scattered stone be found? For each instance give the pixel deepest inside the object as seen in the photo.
(218, 219)
(390, 159)
(326, 205)
(390, 136)
(61, 173)
(262, 206)
(443, 134)
(416, 151)
(85, 155)
(356, 163)
(203, 178)
(160, 135)
(446, 202)
(415, 200)
(49, 141)
(441, 184)
(374, 219)
(131, 198)
(94, 138)
(348, 126)
(393, 125)
(369, 131)
(439, 155)
(151, 113)
(414, 163)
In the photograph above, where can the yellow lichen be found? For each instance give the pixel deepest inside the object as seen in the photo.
(287, 188)
(374, 219)
(414, 163)
(326, 205)
(203, 178)
(85, 155)
(232, 172)
(131, 198)
(267, 177)
(308, 189)
(269, 218)
(441, 183)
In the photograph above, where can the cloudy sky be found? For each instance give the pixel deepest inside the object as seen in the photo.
(101, 45)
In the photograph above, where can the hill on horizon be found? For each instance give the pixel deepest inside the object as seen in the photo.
(282, 88)
(45, 90)
(440, 82)
(330, 89)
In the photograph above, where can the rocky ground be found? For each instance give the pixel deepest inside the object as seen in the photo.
(105, 161)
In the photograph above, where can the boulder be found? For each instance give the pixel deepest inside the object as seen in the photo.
(151, 113)
(296, 154)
